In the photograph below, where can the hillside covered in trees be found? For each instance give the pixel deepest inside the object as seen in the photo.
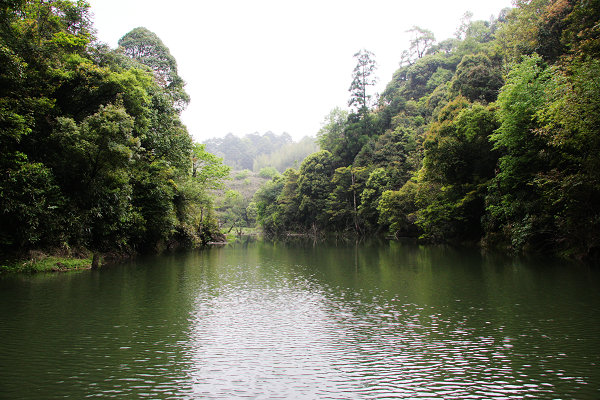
(255, 151)
(93, 151)
(490, 137)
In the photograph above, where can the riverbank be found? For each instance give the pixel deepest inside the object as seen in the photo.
(62, 260)
(57, 260)
(39, 261)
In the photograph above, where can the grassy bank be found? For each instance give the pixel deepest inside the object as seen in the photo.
(242, 232)
(42, 262)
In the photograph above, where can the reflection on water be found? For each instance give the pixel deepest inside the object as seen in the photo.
(263, 320)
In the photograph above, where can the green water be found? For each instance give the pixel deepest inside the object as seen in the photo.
(339, 321)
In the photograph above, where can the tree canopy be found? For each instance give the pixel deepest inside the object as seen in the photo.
(489, 137)
(93, 151)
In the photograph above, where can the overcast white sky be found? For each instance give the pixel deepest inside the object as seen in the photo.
(278, 65)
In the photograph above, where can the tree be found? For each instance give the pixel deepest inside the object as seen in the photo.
(99, 154)
(314, 186)
(376, 184)
(396, 151)
(332, 130)
(145, 47)
(288, 201)
(514, 203)
(362, 78)
(477, 78)
(233, 210)
(289, 155)
(571, 186)
(422, 40)
(93, 152)
(397, 210)
(254, 151)
(458, 164)
(208, 169)
(268, 172)
(268, 212)
(29, 201)
(465, 22)
(342, 205)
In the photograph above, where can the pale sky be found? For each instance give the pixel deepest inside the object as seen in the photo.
(278, 65)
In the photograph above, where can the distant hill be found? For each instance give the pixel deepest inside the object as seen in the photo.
(255, 151)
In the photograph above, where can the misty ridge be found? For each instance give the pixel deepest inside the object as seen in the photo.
(255, 151)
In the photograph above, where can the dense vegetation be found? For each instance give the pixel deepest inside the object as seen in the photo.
(234, 204)
(93, 152)
(254, 158)
(489, 137)
(255, 151)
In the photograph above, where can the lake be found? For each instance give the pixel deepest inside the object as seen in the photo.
(318, 321)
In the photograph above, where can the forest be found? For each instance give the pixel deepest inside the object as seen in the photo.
(490, 137)
(255, 151)
(254, 159)
(94, 155)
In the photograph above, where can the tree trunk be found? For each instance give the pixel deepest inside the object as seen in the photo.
(354, 198)
(95, 261)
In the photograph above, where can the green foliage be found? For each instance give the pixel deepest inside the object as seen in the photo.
(457, 150)
(289, 155)
(397, 210)
(289, 201)
(477, 78)
(244, 153)
(146, 48)
(548, 28)
(232, 209)
(397, 151)
(332, 130)
(414, 81)
(45, 263)
(314, 186)
(344, 201)
(513, 200)
(338, 135)
(421, 42)
(580, 27)
(268, 172)
(491, 136)
(458, 164)
(547, 192)
(362, 78)
(93, 152)
(194, 211)
(29, 203)
(207, 169)
(267, 208)
(377, 183)
(252, 213)
(242, 174)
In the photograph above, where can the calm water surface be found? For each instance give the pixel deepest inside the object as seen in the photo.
(345, 321)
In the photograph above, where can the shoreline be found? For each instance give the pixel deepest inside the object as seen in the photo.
(46, 263)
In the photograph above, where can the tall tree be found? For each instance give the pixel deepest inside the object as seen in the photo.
(146, 48)
(314, 187)
(362, 78)
(207, 168)
(422, 40)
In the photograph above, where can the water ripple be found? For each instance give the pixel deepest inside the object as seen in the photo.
(277, 330)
